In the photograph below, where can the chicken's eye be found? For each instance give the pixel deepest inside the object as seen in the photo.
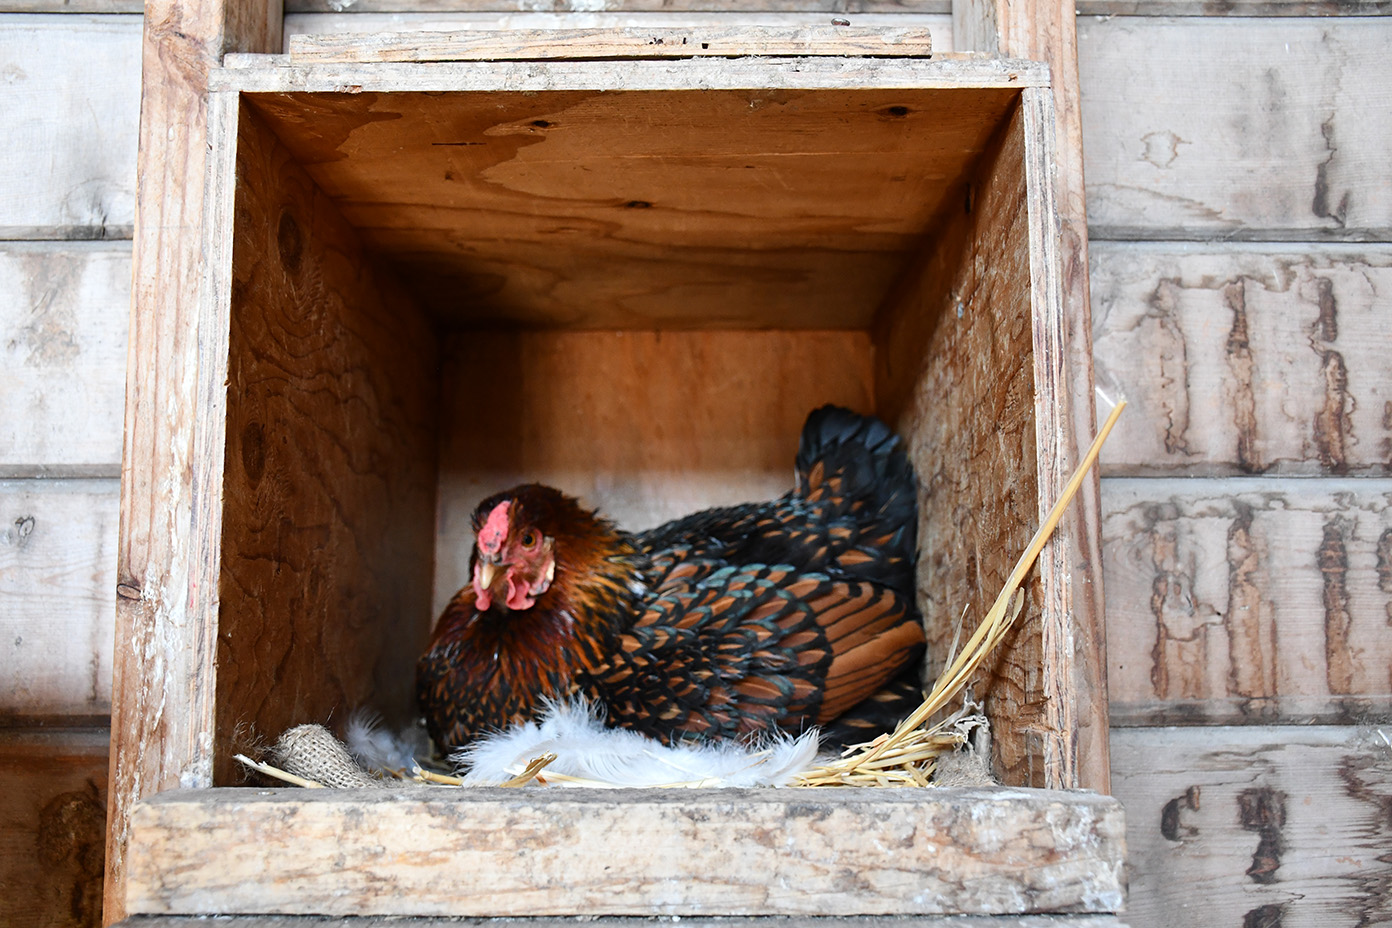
(529, 539)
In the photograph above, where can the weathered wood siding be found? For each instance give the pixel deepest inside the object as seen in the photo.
(69, 106)
(1240, 211)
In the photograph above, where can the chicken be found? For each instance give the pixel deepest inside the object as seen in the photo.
(727, 623)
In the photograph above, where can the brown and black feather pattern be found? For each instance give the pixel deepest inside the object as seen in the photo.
(729, 622)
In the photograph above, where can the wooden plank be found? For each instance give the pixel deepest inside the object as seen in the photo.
(72, 98)
(324, 530)
(670, 852)
(1233, 8)
(631, 208)
(160, 716)
(1243, 601)
(576, 8)
(57, 596)
(772, 921)
(647, 426)
(1245, 359)
(579, 44)
(71, 6)
(273, 74)
(52, 827)
(455, 17)
(64, 311)
(1046, 32)
(856, 11)
(1187, 139)
(1256, 826)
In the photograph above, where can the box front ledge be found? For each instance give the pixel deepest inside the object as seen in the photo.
(626, 852)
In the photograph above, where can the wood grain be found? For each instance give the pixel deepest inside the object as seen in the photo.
(438, 17)
(614, 42)
(1188, 140)
(1263, 600)
(578, 8)
(1245, 360)
(57, 578)
(52, 827)
(72, 99)
(390, 921)
(857, 11)
(328, 492)
(1046, 31)
(64, 312)
(1255, 826)
(638, 209)
(670, 852)
(968, 367)
(646, 426)
(161, 711)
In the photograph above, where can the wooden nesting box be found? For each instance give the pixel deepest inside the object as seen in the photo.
(427, 281)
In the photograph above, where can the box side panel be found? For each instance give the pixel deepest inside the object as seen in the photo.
(955, 372)
(328, 497)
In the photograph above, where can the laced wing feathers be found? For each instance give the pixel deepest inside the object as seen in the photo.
(750, 649)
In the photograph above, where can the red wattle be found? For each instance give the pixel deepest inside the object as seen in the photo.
(517, 597)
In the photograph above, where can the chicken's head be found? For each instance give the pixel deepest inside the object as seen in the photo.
(514, 561)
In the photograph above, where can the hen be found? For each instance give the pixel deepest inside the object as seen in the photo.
(726, 623)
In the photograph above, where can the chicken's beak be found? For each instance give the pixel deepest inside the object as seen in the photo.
(486, 573)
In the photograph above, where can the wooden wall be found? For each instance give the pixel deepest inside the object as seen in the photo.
(69, 107)
(1239, 210)
(1241, 222)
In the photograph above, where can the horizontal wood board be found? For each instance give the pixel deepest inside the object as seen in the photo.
(670, 852)
(328, 485)
(1236, 128)
(1259, 826)
(64, 314)
(447, 18)
(52, 827)
(768, 921)
(57, 597)
(72, 103)
(625, 209)
(1261, 600)
(645, 426)
(614, 42)
(856, 10)
(1244, 359)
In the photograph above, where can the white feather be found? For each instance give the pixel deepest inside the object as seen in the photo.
(600, 756)
(380, 750)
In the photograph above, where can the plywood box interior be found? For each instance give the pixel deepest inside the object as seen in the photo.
(630, 279)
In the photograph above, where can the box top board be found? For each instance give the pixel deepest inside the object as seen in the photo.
(783, 192)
